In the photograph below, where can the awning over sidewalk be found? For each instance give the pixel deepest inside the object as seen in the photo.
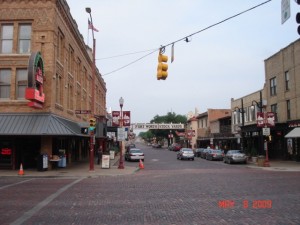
(295, 133)
(38, 124)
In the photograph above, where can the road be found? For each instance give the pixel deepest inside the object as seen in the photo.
(167, 192)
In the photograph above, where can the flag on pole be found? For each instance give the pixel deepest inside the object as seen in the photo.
(91, 26)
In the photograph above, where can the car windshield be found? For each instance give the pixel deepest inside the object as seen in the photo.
(187, 150)
(135, 151)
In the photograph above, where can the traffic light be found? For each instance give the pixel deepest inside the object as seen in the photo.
(298, 17)
(93, 124)
(162, 67)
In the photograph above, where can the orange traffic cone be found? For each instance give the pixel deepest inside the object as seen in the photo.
(21, 172)
(141, 164)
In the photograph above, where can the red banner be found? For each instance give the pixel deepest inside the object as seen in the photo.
(116, 118)
(5, 151)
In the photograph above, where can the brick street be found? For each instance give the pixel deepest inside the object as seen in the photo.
(167, 192)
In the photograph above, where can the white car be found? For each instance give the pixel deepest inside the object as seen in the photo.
(134, 154)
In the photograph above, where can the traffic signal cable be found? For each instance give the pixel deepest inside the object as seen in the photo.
(186, 38)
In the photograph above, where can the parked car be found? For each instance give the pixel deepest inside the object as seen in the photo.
(203, 153)
(156, 145)
(235, 156)
(214, 154)
(134, 154)
(129, 146)
(185, 153)
(176, 147)
(198, 152)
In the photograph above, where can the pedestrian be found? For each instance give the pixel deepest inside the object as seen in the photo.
(99, 154)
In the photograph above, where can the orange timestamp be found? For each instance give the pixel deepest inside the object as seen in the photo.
(254, 204)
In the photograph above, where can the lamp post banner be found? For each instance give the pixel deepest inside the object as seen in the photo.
(116, 118)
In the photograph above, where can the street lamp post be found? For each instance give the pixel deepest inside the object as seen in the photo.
(121, 162)
(263, 145)
(241, 110)
(88, 10)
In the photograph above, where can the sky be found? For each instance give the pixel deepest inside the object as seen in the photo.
(219, 63)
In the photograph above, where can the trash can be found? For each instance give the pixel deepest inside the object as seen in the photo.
(62, 162)
(42, 163)
(260, 160)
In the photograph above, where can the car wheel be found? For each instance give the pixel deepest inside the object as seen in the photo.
(193, 159)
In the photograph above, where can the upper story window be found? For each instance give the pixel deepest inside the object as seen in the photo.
(21, 43)
(24, 38)
(71, 60)
(5, 83)
(7, 33)
(288, 109)
(21, 83)
(274, 110)
(60, 46)
(287, 80)
(273, 85)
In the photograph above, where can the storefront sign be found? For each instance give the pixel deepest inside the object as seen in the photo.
(35, 93)
(155, 126)
(105, 161)
(5, 151)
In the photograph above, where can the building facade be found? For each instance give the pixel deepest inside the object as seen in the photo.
(280, 97)
(48, 88)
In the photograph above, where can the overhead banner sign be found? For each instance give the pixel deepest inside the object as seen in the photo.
(156, 126)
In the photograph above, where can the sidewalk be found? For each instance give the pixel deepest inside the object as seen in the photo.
(78, 169)
(277, 165)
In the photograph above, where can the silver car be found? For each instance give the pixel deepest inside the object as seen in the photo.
(185, 153)
(134, 154)
(235, 156)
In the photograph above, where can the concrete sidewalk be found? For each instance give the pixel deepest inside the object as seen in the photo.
(278, 165)
(77, 169)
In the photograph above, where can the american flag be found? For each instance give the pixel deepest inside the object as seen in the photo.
(91, 26)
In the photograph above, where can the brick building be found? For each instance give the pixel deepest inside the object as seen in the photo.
(46, 76)
(280, 96)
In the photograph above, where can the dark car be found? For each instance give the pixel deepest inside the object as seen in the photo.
(203, 153)
(129, 146)
(235, 156)
(198, 152)
(213, 154)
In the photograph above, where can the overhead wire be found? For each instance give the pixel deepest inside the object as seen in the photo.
(184, 38)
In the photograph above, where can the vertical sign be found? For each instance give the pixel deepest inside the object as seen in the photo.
(285, 10)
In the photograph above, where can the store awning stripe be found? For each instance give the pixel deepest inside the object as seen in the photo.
(295, 133)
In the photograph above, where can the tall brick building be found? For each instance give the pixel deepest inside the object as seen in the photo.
(46, 76)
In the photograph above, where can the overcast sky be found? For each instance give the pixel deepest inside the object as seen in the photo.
(220, 63)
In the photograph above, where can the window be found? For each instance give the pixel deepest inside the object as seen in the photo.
(5, 82)
(287, 80)
(273, 86)
(7, 31)
(288, 109)
(71, 60)
(60, 46)
(70, 86)
(24, 38)
(274, 110)
(58, 89)
(21, 83)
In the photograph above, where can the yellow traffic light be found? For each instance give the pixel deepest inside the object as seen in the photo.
(92, 122)
(162, 67)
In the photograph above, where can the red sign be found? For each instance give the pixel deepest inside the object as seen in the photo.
(35, 92)
(260, 119)
(270, 120)
(265, 119)
(116, 118)
(5, 151)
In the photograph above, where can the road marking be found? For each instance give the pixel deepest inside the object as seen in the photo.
(10, 185)
(27, 215)
(154, 160)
